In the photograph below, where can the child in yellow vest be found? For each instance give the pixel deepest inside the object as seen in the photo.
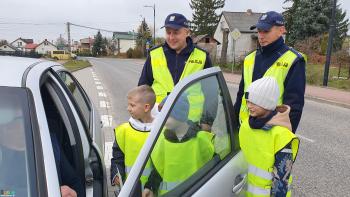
(267, 141)
(181, 150)
(130, 136)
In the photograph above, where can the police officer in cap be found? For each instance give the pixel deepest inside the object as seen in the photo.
(174, 60)
(275, 59)
(166, 64)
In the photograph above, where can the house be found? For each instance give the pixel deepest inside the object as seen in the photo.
(208, 43)
(7, 48)
(124, 41)
(20, 43)
(45, 47)
(236, 24)
(30, 47)
(86, 45)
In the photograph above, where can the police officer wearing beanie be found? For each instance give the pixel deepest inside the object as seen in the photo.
(174, 60)
(274, 58)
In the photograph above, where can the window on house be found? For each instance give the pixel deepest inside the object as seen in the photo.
(19, 44)
(207, 40)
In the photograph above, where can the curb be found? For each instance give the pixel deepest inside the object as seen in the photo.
(317, 99)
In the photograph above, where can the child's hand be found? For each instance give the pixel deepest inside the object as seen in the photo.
(147, 193)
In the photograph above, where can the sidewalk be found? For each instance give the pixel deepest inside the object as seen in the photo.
(322, 94)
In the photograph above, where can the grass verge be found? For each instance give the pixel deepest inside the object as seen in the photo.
(74, 65)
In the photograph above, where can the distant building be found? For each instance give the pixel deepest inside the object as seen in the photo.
(20, 43)
(86, 45)
(208, 43)
(124, 41)
(30, 47)
(242, 21)
(45, 47)
(7, 48)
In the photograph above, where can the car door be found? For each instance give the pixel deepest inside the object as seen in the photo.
(217, 168)
(95, 173)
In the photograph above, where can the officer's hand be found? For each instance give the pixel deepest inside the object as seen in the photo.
(116, 181)
(147, 193)
(67, 191)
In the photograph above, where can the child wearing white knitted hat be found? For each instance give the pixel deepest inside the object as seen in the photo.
(267, 141)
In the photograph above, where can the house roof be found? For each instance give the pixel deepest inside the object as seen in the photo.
(47, 42)
(10, 46)
(125, 35)
(241, 20)
(27, 41)
(87, 40)
(198, 38)
(30, 46)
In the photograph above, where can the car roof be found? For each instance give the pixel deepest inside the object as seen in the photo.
(12, 69)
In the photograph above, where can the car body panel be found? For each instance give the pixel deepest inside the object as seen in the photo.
(28, 73)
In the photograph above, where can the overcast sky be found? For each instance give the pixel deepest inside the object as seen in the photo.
(40, 19)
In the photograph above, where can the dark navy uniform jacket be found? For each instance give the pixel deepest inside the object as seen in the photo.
(294, 84)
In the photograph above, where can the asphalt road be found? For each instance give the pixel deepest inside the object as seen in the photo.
(323, 162)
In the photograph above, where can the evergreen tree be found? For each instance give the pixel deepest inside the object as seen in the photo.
(143, 35)
(98, 46)
(204, 17)
(61, 43)
(309, 18)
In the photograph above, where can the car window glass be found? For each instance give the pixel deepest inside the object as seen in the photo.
(77, 94)
(193, 140)
(16, 148)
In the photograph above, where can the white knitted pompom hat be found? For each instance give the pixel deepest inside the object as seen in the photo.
(264, 92)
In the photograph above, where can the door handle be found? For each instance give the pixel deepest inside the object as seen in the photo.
(240, 181)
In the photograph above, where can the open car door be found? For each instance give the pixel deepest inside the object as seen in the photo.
(193, 148)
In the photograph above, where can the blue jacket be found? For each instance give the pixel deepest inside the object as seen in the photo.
(294, 84)
(176, 63)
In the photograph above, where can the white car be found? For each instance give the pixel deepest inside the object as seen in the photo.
(39, 99)
(225, 174)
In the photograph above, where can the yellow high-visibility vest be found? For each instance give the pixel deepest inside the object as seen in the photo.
(175, 162)
(259, 148)
(278, 70)
(163, 82)
(130, 141)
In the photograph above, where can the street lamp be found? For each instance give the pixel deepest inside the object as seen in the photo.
(154, 21)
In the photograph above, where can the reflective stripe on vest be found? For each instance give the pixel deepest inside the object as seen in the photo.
(175, 163)
(168, 186)
(257, 191)
(163, 82)
(259, 172)
(259, 148)
(278, 70)
(130, 142)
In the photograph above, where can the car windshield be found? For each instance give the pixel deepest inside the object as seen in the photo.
(16, 147)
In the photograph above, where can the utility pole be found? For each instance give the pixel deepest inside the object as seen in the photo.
(68, 32)
(154, 21)
(330, 44)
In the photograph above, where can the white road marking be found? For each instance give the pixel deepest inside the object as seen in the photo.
(305, 138)
(104, 104)
(106, 120)
(97, 83)
(99, 87)
(102, 94)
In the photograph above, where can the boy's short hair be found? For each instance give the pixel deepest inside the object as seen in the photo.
(145, 93)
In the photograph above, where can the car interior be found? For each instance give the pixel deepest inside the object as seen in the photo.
(62, 126)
